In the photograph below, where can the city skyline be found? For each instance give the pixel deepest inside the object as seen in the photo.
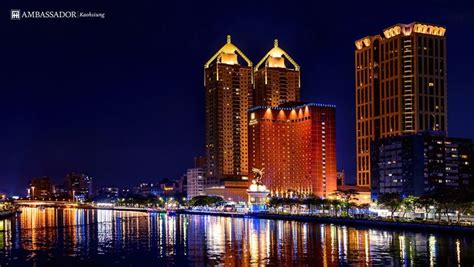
(85, 128)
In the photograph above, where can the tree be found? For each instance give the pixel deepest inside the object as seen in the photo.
(336, 204)
(390, 201)
(325, 204)
(206, 201)
(346, 198)
(312, 201)
(444, 201)
(462, 202)
(408, 204)
(425, 202)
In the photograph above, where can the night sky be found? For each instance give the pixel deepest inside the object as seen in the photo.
(122, 98)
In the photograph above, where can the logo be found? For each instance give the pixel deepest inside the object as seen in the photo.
(15, 14)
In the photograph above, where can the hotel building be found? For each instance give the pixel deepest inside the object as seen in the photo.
(275, 83)
(295, 144)
(229, 94)
(400, 87)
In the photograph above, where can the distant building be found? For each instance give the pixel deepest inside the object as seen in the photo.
(363, 195)
(147, 189)
(60, 192)
(109, 192)
(182, 185)
(400, 86)
(230, 191)
(228, 93)
(295, 143)
(79, 186)
(195, 182)
(415, 164)
(169, 188)
(341, 177)
(40, 188)
(200, 162)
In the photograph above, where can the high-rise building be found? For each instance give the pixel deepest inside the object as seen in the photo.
(416, 164)
(275, 82)
(79, 186)
(295, 144)
(195, 182)
(229, 93)
(40, 188)
(400, 86)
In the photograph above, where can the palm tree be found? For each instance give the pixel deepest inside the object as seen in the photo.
(325, 205)
(336, 204)
(312, 201)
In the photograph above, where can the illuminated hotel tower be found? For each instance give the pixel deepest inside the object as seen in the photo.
(400, 82)
(228, 86)
(275, 83)
(295, 144)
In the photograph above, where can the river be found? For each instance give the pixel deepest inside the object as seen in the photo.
(87, 237)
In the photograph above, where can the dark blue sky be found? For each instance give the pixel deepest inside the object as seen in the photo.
(122, 98)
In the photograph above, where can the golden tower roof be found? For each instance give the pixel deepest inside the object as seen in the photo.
(228, 55)
(275, 58)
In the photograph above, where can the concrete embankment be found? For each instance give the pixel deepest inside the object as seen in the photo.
(393, 225)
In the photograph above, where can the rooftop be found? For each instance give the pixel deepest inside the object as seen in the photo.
(275, 58)
(228, 55)
(293, 105)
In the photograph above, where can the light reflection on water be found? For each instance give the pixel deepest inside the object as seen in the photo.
(97, 237)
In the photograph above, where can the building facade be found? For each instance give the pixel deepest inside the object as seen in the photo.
(275, 82)
(195, 182)
(40, 188)
(79, 186)
(400, 86)
(341, 178)
(421, 163)
(295, 144)
(229, 94)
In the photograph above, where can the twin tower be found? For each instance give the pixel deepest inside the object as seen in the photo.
(236, 91)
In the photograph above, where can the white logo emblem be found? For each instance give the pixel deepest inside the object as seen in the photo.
(15, 14)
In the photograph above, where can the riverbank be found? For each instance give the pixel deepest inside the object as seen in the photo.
(7, 214)
(392, 225)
